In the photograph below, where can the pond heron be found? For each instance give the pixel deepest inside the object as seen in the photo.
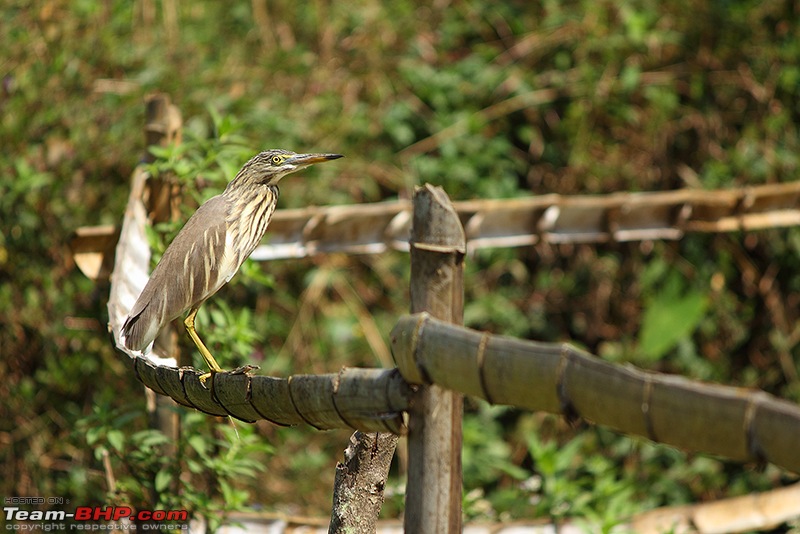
(210, 248)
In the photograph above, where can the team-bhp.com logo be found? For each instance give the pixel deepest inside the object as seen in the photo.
(121, 515)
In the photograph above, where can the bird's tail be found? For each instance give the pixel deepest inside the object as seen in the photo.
(136, 335)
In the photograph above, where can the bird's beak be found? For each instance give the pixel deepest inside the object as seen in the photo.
(303, 160)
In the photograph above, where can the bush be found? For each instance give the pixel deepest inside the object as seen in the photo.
(514, 100)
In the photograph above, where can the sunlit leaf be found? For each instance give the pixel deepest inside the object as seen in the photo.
(668, 319)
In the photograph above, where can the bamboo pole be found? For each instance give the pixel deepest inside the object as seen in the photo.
(501, 223)
(741, 424)
(433, 492)
(371, 400)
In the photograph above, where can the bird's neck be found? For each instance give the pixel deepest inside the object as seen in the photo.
(248, 215)
(240, 189)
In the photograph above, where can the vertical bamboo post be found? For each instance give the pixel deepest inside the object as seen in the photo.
(438, 246)
(162, 126)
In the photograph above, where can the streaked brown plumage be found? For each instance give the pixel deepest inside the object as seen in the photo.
(211, 247)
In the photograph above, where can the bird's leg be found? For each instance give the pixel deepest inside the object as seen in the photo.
(212, 363)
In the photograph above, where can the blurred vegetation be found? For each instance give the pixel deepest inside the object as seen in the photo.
(485, 99)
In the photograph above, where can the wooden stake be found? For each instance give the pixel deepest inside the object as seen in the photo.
(438, 246)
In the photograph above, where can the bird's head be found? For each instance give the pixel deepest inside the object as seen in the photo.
(268, 167)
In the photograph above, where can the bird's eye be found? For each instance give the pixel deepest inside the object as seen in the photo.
(277, 160)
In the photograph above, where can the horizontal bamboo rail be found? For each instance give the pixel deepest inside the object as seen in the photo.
(740, 424)
(375, 228)
(372, 400)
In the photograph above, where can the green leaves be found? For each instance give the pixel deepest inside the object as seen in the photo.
(643, 95)
(230, 331)
(671, 314)
(146, 462)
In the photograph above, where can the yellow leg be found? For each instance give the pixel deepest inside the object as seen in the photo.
(212, 363)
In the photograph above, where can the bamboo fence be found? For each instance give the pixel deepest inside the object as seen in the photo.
(438, 361)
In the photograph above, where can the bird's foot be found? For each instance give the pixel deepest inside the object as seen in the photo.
(206, 376)
(243, 370)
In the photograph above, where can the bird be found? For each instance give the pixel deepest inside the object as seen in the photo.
(209, 250)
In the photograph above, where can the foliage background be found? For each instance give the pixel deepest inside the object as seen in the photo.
(485, 99)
